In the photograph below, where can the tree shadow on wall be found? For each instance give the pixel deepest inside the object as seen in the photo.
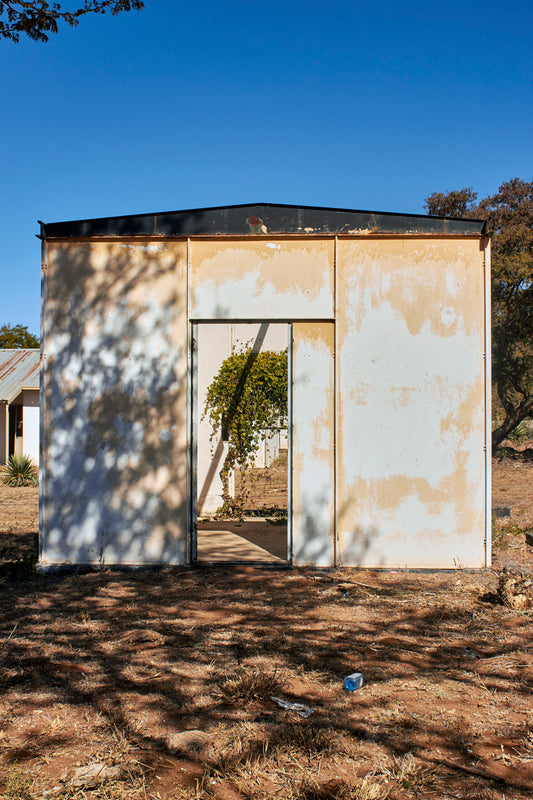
(115, 466)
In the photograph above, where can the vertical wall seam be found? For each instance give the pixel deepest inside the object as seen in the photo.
(43, 449)
(189, 483)
(488, 406)
(290, 505)
(335, 531)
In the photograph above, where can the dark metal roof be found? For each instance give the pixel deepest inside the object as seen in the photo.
(19, 369)
(260, 218)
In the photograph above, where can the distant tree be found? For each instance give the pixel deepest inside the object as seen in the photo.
(16, 336)
(510, 221)
(458, 203)
(38, 18)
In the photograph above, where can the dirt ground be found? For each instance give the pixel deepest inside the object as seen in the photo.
(108, 671)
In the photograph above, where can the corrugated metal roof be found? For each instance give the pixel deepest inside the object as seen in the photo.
(261, 219)
(19, 369)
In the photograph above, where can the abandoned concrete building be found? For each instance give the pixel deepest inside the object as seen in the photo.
(385, 320)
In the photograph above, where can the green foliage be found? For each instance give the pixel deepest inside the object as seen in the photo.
(247, 396)
(521, 432)
(37, 18)
(20, 471)
(18, 784)
(16, 336)
(457, 203)
(509, 213)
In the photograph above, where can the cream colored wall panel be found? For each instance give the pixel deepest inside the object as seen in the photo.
(261, 279)
(313, 444)
(115, 404)
(410, 403)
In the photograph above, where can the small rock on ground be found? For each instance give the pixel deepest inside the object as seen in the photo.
(189, 743)
(94, 774)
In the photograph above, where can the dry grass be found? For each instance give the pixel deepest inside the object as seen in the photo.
(414, 777)
(248, 684)
(367, 788)
(18, 784)
(524, 750)
(107, 667)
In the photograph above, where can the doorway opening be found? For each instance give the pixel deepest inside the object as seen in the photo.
(241, 454)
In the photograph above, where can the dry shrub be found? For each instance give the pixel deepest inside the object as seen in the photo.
(515, 590)
(302, 738)
(238, 745)
(18, 784)
(411, 775)
(370, 787)
(249, 684)
(524, 751)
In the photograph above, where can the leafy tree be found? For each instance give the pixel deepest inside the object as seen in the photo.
(457, 203)
(15, 336)
(38, 18)
(246, 396)
(510, 221)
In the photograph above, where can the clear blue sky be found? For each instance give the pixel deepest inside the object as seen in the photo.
(183, 105)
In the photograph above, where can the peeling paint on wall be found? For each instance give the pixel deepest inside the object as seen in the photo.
(411, 427)
(253, 280)
(388, 392)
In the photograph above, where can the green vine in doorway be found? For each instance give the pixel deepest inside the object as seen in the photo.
(247, 396)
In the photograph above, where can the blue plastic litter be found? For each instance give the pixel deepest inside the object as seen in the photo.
(353, 682)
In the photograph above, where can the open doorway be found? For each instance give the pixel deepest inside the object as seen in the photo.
(241, 443)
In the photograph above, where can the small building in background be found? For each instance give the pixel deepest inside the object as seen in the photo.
(19, 403)
(386, 319)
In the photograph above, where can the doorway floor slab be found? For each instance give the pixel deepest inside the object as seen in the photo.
(242, 541)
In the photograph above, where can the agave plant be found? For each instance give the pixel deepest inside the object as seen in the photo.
(20, 471)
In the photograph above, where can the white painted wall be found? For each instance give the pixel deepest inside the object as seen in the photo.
(261, 279)
(313, 444)
(411, 460)
(30, 423)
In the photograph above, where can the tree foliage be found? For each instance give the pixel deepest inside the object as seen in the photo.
(38, 18)
(509, 213)
(16, 336)
(247, 395)
(457, 203)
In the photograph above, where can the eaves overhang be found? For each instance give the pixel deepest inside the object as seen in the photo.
(261, 219)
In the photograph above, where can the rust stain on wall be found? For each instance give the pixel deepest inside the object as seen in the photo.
(410, 425)
(400, 456)
(276, 278)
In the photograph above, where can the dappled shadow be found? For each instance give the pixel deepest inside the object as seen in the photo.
(146, 651)
(244, 540)
(114, 483)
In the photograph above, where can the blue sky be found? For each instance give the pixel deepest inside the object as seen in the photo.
(186, 105)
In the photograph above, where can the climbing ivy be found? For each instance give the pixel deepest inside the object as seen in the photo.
(246, 396)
